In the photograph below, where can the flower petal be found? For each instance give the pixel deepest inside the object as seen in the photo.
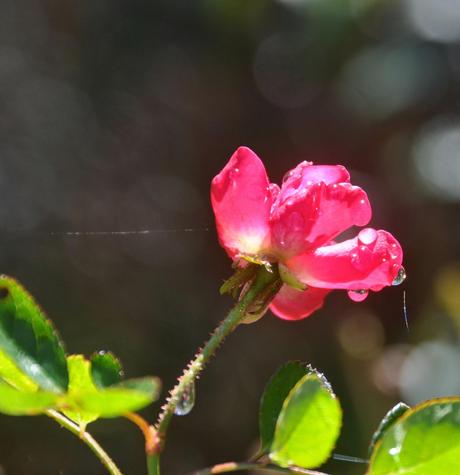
(293, 304)
(306, 174)
(316, 214)
(369, 261)
(241, 198)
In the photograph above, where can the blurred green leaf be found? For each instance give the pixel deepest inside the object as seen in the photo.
(106, 369)
(28, 341)
(276, 391)
(130, 395)
(18, 403)
(308, 425)
(425, 440)
(390, 418)
(80, 382)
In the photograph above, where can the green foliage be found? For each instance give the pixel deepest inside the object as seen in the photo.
(13, 375)
(17, 403)
(425, 440)
(390, 418)
(35, 374)
(29, 342)
(106, 369)
(80, 382)
(86, 402)
(276, 391)
(300, 417)
(131, 395)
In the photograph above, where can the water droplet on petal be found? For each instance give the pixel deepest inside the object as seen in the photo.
(400, 276)
(358, 295)
(233, 176)
(187, 401)
(368, 236)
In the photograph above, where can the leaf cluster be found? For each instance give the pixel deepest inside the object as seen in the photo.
(36, 374)
(300, 420)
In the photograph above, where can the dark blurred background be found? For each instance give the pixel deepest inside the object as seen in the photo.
(115, 115)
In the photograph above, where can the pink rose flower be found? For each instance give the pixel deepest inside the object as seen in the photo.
(295, 226)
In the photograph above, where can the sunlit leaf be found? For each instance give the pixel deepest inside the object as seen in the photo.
(424, 441)
(130, 395)
(80, 382)
(390, 418)
(308, 425)
(106, 369)
(14, 376)
(85, 402)
(29, 341)
(276, 391)
(19, 403)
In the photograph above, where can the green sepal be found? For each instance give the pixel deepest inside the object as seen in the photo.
(241, 276)
(290, 279)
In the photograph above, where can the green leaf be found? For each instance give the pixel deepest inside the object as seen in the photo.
(308, 425)
(390, 418)
(10, 373)
(80, 382)
(130, 395)
(28, 341)
(106, 369)
(425, 440)
(276, 391)
(18, 403)
(85, 402)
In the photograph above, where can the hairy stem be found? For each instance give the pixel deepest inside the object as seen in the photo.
(88, 439)
(263, 281)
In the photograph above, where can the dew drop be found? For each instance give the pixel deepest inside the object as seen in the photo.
(400, 276)
(368, 236)
(358, 295)
(394, 450)
(187, 401)
(233, 175)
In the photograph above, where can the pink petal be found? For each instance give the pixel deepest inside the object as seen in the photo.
(241, 198)
(369, 261)
(317, 213)
(306, 174)
(292, 304)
